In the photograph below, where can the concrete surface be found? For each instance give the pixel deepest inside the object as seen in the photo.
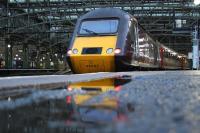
(161, 101)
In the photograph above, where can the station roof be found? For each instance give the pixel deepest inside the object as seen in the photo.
(49, 23)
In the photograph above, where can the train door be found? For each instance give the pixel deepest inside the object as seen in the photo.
(161, 50)
(155, 49)
(146, 50)
(136, 50)
(130, 42)
(132, 37)
(134, 40)
(151, 53)
(141, 42)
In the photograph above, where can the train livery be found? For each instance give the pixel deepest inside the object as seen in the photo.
(109, 39)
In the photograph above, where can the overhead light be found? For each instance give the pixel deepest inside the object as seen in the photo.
(9, 45)
(196, 2)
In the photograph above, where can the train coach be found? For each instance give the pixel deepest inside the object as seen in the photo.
(109, 39)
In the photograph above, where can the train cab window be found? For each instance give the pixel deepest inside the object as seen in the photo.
(101, 26)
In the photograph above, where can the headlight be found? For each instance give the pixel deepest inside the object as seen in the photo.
(109, 50)
(69, 52)
(117, 51)
(75, 51)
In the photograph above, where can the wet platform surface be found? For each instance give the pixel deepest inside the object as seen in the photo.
(129, 102)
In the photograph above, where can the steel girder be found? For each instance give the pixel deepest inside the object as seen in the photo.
(56, 19)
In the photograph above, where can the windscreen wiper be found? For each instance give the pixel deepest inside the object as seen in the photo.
(90, 31)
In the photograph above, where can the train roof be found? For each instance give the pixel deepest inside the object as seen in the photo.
(106, 13)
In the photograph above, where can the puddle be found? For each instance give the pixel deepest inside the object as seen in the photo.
(72, 108)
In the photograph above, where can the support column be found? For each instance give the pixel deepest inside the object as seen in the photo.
(25, 56)
(47, 61)
(38, 58)
(8, 56)
(195, 52)
(55, 61)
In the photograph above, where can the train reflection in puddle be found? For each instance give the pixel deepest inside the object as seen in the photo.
(51, 110)
(94, 105)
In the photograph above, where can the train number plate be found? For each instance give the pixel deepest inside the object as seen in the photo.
(90, 65)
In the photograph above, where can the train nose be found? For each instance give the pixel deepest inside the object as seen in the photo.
(93, 60)
(93, 54)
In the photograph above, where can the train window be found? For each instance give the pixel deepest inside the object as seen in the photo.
(95, 27)
(151, 50)
(165, 54)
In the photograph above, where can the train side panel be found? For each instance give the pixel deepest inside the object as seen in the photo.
(148, 50)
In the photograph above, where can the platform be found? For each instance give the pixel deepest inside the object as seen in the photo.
(25, 72)
(157, 101)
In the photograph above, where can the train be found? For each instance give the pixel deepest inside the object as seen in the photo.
(110, 40)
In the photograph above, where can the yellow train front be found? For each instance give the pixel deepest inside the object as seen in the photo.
(98, 42)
